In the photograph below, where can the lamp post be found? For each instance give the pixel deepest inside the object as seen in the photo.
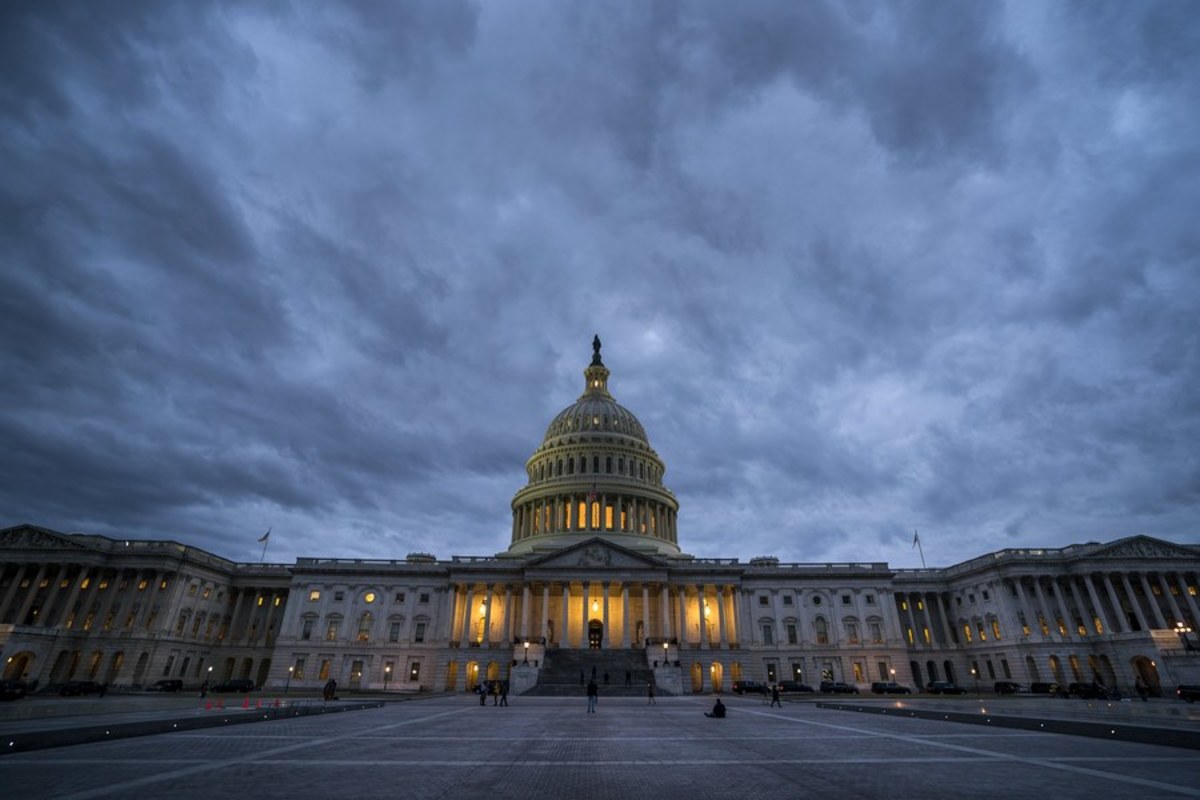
(665, 650)
(892, 672)
(288, 685)
(387, 675)
(975, 675)
(527, 652)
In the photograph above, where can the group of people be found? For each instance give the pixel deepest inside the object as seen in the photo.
(497, 690)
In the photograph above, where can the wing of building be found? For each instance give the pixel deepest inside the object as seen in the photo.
(594, 584)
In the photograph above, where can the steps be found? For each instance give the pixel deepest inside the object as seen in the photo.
(565, 673)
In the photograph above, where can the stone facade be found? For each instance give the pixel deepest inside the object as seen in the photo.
(594, 564)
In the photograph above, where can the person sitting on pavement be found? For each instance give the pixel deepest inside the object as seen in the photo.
(718, 710)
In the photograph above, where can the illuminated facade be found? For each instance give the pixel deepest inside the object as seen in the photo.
(595, 571)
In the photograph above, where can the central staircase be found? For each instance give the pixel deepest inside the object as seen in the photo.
(565, 673)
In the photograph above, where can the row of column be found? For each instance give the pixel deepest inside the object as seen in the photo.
(579, 513)
(1059, 605)
(70, 596)
(667, 612)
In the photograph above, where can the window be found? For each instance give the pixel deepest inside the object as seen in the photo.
(324, 673)
(338, 596)
(170, 663)
(845, 599)
(394, 632)
(207, 592)
(261, 599)
(967, 632)
(399, 597)
(996, 629)
(419, 632)
(986, 596)
(142, 584)
(852, 632)
(876, 632)
(306, 629)
(768, 634)
(1004, 668)
(331, 631)
(970, 598)
(791, 634)
(763, 600)
(870, 599)
(191, 589)
(787, 599)
(817, 600)
(982, 632)
(424, 598)
(414, 671)
(822, 630)
(364, 627)
(298, 672)
(858, 672)
(314, 595)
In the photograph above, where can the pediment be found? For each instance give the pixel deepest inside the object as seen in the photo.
(31, 537)
(1144, 547)
(595, 553)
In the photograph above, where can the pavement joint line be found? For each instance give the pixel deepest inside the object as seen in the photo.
(1041, 762)
(147, 780)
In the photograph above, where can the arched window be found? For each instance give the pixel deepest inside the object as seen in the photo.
(822, 628)
(571, 465)
(364, 626)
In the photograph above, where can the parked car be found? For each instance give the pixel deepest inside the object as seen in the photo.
(13, 689)
(1190, 693)
(837, 687)
(1010, 687)
(235, 685)
(1052, 689)
(889, 687)
(750, 687)
(794, 687)
(944, 687)
(79, 688)
(167, 685)
(1092, 691)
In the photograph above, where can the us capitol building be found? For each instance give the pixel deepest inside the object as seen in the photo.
(594, 576)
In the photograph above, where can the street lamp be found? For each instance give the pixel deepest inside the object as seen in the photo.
(527, 652)
(665, 650)
(975, 675)
(288, 685)
(387, 675)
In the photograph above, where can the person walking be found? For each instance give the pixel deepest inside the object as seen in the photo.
(593, 694)
(503, 693)
(650, 694)
(775, 695)
(1141, 688)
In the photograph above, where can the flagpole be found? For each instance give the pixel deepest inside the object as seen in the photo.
(266, 540)
(921, 550)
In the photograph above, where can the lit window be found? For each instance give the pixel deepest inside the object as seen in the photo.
(261, 599)
(364, 627)
(314, 595)
(331, 631)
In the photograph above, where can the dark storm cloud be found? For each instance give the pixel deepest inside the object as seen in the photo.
(859, 268)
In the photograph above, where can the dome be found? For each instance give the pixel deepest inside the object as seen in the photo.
(594, 473)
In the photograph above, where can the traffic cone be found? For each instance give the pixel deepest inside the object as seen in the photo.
(246, 703)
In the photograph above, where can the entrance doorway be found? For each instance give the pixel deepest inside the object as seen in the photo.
(595, 634)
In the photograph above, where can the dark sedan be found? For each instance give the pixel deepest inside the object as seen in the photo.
(13, 690)
(235, 685)
(794, 687)
(1190, 693)
(837, 687)
(889, 687)
(750, 687)
(80, 688)
(944, 687)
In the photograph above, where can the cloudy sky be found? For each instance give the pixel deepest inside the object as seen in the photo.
(860, 269)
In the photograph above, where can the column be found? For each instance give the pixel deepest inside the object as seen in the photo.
(76, 588)
(564, 639)
(1137, 607)
(944, 613)
(110, 600)
(19, 573)
(489, 599)
(30, 596)
(583, 632)
(1166, 590)
(701, 608)
(664, 608)
(626, 639)
(1191, 601)
(545, 611)
(1045, 607)
(1061, 597)
(465, 638)
(507, 638)
(910, 616)
(1099, 609)
(148, 602)
(1154, 605)
(526, 600)
(604, 640)
(1114, 603)
(721, 597)
(645, 612)
(681, 593)
(47, 608)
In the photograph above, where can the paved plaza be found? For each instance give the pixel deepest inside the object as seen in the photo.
(450, 747)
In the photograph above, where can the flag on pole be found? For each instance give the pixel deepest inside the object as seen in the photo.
(265, 536)
(916, 539)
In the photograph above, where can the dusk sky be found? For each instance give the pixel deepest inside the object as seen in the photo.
(859, 268)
